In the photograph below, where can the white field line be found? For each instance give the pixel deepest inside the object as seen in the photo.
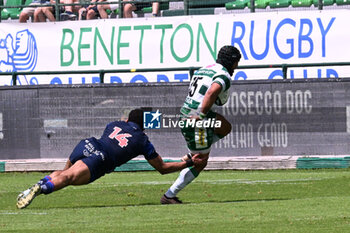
(21, 213)
(218, 182)
(223, 181)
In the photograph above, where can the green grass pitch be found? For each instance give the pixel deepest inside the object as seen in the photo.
(217, 201)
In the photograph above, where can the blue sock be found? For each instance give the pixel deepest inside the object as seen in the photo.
(48, 187)
(44, 180)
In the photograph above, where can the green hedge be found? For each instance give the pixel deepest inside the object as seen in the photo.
(139, 165)
(317, 162)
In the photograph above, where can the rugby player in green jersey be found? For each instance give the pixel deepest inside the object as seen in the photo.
(203, 127)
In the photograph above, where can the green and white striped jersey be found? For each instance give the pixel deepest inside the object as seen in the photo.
(199, 85)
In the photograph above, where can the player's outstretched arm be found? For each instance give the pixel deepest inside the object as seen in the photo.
(169, 167)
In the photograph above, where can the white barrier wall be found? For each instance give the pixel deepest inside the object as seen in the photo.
(264, 38)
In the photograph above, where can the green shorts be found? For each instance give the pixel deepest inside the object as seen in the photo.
(199, 139)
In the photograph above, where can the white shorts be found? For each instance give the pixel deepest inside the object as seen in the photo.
(30, 10)
(113, 6)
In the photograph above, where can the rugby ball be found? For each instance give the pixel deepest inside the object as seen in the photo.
(222, 98)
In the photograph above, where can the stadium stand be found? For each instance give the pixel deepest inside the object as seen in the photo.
(163, 6)
(301, 3)
(27, 2)
(280, 3)
(196, 7)
(146, 10)
(140, 13)
(240, 4)
(12, 13)
(343, 2)
(325, 2)
(201, 7)
(263, 4)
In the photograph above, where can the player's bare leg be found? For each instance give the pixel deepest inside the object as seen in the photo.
(29, 193)
(58, 172)
(128, 9)
(224, 129)
(77, 174)
(102, 9)
(48, 12)
(188, 175)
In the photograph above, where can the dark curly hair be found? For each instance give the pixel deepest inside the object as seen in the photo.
(136, 116)
(227, 56)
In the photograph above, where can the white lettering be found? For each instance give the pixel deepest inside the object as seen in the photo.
(268, 97)
(277, 102)
(307, 96)
(243, 108)
(206, 123)
(190, 122)
(165, 125)
(273, 135)
(242, 136)
(298, 102)
(250, 103)
(259, 103)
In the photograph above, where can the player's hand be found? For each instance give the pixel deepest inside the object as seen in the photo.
(198, 159)
(196, 117)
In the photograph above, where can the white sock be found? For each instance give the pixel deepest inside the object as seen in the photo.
(186, 176)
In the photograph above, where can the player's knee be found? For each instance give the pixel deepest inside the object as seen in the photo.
(202, 164)
(65, 179)
(44, 10)
(225, 129)
(23, 17)
(90, 14)
(100, 8)
(127, 10)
